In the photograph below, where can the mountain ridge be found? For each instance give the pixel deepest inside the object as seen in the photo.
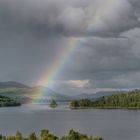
(42, 94)
(9, 84)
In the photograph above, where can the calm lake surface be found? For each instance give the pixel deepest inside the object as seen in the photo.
(110, 124)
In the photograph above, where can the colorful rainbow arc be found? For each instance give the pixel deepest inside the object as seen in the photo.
(57, 67)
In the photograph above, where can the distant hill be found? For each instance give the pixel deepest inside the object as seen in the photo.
(43, 94)
(27, 94)
(11, 84)
(97, 94)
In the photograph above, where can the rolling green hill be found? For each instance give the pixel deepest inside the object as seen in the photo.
(26, 94)
(12, 84)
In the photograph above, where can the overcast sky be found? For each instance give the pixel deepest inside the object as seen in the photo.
(34, 32)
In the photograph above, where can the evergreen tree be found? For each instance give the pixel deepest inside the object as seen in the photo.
(32, 136)
(18, 136)
(53, 104)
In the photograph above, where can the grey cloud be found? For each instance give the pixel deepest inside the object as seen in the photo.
(106, 62)
(75, 17)
(98, 54)
(26, 59)
(33, 33)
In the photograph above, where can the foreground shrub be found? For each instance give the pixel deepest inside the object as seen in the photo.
(46, 135)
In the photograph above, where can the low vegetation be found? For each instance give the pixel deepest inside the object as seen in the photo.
(46, 135)
(124, 100)
(8, 102)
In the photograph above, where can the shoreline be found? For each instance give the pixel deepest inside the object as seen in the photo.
(115, 108)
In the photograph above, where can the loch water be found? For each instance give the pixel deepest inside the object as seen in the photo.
(110, 124)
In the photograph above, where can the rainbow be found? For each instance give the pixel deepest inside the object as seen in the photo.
(56, 68)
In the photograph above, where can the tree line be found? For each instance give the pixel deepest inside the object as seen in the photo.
(7, 101)
(46, 135)
(130, 99)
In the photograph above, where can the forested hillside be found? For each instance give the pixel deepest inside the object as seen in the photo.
(124, 100)
(6, 101)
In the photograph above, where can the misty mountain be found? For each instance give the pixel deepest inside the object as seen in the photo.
(27, 94)
(11, 84)
(97, 94)
(42, 94)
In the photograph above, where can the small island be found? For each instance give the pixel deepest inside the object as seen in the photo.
(130, 100)
(8, 102)
(46, 135)
(53, 104)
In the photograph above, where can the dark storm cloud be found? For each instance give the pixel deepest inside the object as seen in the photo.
(107, 62)
(34, 32)
(26, 59)
(105, 54)
(75, 17)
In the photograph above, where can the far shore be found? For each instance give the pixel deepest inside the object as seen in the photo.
(129, 108)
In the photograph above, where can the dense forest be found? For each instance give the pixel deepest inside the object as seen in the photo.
(45, 135)
(124, 100)
(8, 102)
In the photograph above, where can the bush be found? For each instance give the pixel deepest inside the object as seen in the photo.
(45, 135)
